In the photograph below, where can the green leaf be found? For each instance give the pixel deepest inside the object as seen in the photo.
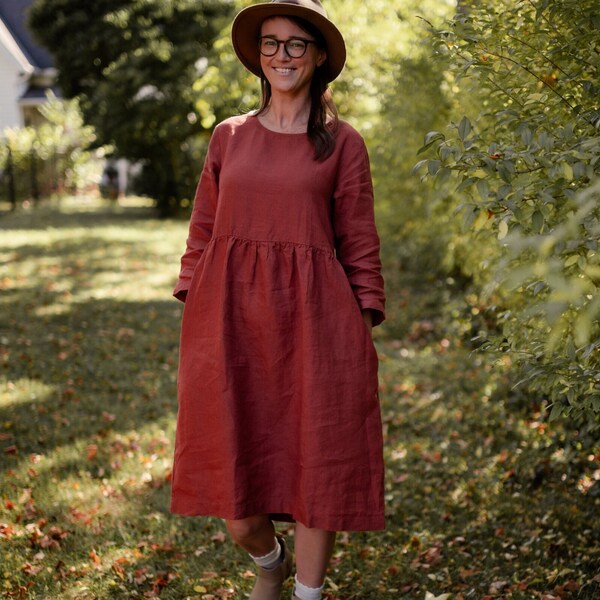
(433, 166)
(445, 152)
(418, 166)
(504, 191)
(466, 183)
(469, 216)
(506, 170)
(583, 329)
(572, 260)
(502, 230)
(546, 141)
(526, 134)
(567, 171)
(443, 175)
(431, 138)
(464, 128)
(483, 187)
(557, 411)
(537, 221)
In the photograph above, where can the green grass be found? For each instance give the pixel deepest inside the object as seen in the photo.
(483, 498)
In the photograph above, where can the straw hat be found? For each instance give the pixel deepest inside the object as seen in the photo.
(246, 30)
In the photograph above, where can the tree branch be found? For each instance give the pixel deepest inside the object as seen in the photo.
(528, 70)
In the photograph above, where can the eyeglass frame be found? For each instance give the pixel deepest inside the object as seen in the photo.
(284, 42)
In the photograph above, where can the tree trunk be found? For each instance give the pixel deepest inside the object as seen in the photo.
(10, 173)
(168, 203)
(33, 173)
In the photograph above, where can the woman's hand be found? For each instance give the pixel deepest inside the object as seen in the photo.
(367, 316)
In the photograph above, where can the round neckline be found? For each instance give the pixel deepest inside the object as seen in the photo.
(265, 128)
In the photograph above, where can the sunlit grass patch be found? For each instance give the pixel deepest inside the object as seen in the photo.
(22, 390)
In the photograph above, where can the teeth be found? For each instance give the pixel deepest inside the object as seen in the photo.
(280, 70)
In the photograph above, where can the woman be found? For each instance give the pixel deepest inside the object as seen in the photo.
(278, 410)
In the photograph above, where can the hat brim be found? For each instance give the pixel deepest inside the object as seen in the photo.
(246, 30)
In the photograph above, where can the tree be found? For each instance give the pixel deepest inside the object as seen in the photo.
(527, 166)
(133, 64)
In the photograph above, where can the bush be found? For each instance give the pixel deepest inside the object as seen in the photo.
(527, 172)
(50, 159)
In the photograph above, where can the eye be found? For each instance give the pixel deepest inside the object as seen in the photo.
(268, 43)
(296, 45)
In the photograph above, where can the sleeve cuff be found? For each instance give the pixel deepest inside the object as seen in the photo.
(181, 289)
(376, 309)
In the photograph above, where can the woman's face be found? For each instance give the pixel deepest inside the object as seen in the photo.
(287, 75)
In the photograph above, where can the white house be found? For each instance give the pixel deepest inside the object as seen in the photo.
(26, 68)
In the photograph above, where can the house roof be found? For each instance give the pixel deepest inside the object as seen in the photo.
(13, 14)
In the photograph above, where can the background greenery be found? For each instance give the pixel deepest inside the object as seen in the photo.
(482, 123)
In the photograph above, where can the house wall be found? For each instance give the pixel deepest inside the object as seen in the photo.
(10, 90)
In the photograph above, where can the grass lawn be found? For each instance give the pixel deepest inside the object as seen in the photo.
(484, 499)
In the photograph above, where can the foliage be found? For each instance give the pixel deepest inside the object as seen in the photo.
(52, 157)
(133, 63)
(88, 356)
(527, 169)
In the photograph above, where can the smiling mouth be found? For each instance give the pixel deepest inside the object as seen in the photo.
(283, 70)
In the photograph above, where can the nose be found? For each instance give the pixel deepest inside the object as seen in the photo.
(282, 53)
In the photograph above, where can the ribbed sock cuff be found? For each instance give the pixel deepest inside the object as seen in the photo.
(270, 560)
(303, 592)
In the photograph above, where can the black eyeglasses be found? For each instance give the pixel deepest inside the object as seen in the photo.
(294, 47)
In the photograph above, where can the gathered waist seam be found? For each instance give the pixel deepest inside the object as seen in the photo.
(328, 251)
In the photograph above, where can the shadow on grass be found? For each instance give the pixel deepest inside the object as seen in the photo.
(98, 358)
(76, 214)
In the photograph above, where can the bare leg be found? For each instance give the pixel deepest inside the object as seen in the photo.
(314, 548)
(255, 534)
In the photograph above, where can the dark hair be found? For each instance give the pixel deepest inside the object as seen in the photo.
(322, 106)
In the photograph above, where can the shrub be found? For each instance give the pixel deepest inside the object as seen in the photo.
(526, 169)
(52, 158)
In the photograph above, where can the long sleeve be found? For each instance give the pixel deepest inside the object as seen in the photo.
(356, 238)
(202, 219)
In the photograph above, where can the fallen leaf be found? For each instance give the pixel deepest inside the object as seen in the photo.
(29, 569)
(53, 538)
(497, 586)
(464, 573)
(430, 596)
(92, 451)
(119, 571)
(219, 537)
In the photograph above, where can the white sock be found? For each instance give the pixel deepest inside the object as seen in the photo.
(270, 560)
(303, 592)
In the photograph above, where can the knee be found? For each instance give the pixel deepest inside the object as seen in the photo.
(244, 530)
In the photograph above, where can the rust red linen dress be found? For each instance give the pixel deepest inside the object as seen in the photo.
(278, 405)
